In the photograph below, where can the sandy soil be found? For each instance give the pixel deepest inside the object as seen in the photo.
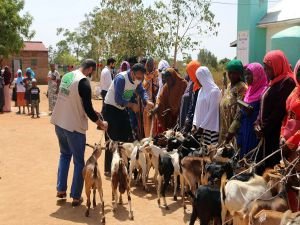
(28, 165)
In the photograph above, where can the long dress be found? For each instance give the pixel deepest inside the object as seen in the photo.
(52, 95)
(229, 109)
(186, 101)
(272, 112)
(2, 99)
(7, 92)
(246, 138)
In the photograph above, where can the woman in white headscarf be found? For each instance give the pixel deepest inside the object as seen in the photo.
(162, 65)
(206, 117)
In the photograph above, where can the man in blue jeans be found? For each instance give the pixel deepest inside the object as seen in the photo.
(69, 116)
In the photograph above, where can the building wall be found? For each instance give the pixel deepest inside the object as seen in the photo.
(272, 30)
(36, 60)
(250, 12)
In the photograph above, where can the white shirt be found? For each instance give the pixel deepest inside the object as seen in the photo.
(54, 74)
(105, 79)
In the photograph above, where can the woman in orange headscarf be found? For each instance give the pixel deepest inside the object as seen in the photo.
(168, 103)
(188, 115)
(273, 105)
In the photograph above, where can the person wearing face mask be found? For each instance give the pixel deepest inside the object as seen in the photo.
(70, 117)
(117, 100)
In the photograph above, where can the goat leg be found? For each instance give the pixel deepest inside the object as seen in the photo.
(166, 182)
(129, 203)
(94, 198)
(159, 180)
(182, 184)
(144, 177)
(88, 202)
(175, 187)
(100, 191)
(120, 200)
(193, 216)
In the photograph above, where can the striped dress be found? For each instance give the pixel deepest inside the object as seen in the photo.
(210, 137)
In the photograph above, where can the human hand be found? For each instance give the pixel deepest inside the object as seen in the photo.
(229, 137)
(149, 106)
(102, 125)
(134, 107)
(282, 141)
(258, 131)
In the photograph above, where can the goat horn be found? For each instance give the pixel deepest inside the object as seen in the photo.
(296, 188)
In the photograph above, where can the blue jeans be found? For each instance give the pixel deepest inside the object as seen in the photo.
(70, 144)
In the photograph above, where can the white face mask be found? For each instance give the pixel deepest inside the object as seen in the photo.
(137, 82)
(89, 78)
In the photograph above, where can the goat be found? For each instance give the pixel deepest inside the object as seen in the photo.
(168, 165)
(206, 205)
(267, 217)
(290, 218)
(235, 194)
(92, 179)
(277, 203)
(193, 170)
(119, 177)
(224, 154)
(138, 161)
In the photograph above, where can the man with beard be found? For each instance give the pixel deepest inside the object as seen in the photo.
(107, 77)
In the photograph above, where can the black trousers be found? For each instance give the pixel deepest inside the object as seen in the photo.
(119, 129)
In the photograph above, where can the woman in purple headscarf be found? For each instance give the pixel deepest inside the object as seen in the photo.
(257, 84)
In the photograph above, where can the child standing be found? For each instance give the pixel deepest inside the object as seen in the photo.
(34, 98)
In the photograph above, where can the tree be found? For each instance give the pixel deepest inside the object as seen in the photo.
(184, 21)
(14, 27)
(208, 59)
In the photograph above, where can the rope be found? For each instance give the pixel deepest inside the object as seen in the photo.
(256, 164)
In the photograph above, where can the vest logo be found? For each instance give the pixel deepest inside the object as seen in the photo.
(66, 82)
(127, 95)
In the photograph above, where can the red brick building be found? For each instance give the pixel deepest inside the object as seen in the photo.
(33, 55)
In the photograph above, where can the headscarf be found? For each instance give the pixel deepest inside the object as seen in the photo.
(7, 75)
(235, 65)
(127, 66)
(29, 70)
(162, 65)
(169, 99)
(19, 79)
(206, 113)
(191, 69)
(297, 67)
(281, 67)
(259, 85)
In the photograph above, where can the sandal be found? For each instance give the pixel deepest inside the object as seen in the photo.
(77, 202)
(61, 195)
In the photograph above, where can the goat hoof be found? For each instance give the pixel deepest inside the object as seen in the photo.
(167, 207)
(175, 198)
(103, 220)
(87, 213)
(94, 205)
(131, 216)
(158, 202)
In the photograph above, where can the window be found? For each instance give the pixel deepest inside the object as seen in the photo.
(33, 62)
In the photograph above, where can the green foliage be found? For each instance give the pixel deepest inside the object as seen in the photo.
(184, 21)
(14, 27)
(208, 59)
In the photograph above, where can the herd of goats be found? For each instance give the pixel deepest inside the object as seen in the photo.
(222, 187)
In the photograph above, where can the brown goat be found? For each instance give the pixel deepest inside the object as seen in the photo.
(290, 218)
(267, 217)
(119, 178)
(193, 170)
(92, 179)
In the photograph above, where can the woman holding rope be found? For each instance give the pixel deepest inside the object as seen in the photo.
(273, 106)
(290, 131)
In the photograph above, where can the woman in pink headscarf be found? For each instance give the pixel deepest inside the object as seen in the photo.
(257, 84)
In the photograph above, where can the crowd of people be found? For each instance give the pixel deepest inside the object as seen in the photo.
(254, 105)
(24, 92)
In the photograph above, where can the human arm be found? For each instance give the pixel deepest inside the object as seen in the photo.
(85, 93)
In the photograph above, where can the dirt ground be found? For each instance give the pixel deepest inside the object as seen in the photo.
(28, 166)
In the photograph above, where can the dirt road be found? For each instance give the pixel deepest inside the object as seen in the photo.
(28, 165)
